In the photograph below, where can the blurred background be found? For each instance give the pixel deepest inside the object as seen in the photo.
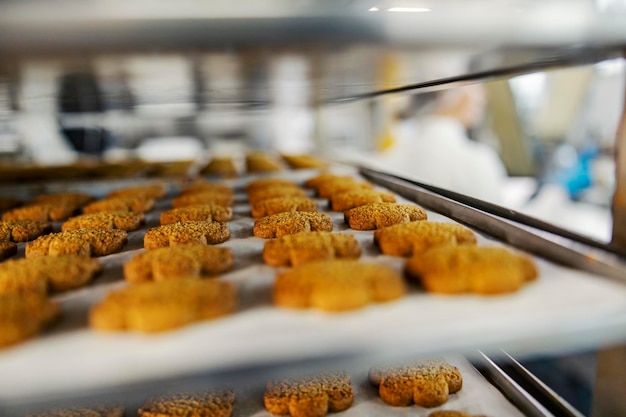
(553, 131)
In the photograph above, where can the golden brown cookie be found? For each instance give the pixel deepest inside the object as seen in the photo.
(47, 273)
(23, 316)
(188, 232)
(337, 285)
(304, 247)
(412, 238)
(163, 305)
(311, 396)
(203, 186)
(291, 222)
(7, 249)
(261, 162)
(222, 166)
(468, 268)
(452, 413)
(23, 230)
(318, 180)
(216, 403)
(268, 183)
(175, 262)
(304, 161)
(427, 383)
(340, 185)
(41, 212)
(153, 191)
(357, 198)
(281, 205)
(204, 197)
(379, 215)
(107, 220)
(84, 242)
(67, 199)
(266, 193)
(206, 212)
(96, 411)
(128, 204)
(7, 203)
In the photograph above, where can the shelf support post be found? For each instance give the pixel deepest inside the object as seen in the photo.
(618, 206)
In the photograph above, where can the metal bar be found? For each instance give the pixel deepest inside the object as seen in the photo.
(511, 389)
(497, 228)
(538, 389)
(585, 57)
(516, 216)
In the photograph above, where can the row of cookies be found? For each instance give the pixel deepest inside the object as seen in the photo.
(426, 384)
(312, 288)
(259, 162)
(25, 284)
(114, 313)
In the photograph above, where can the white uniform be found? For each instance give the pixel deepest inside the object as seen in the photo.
(436, 151)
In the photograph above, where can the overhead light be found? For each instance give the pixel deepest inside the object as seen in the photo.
(373, 9)
(408, 9)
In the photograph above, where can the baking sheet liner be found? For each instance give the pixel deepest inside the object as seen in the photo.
(562, 309)
(477, 397)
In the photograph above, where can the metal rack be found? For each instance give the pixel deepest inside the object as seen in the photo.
(345, 44)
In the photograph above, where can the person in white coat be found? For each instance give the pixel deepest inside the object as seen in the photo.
(432, 145)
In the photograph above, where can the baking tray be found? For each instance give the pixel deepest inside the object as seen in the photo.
(565, 309)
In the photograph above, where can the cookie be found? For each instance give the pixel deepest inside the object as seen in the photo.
(7, 249)
(468, 268)
(337, 285)
(66, 199)
(188, 232)
(206, 212)
(379, 215)
(357, 198)
(41, 212)
(174, 262)
(452, 413)
(412, 238)
(266, 193)
(108, 220)
(202, 186)
(23, 316)
(330, 188)
(281, 205)
(217, 403)
(304, 247)
(268, 182)
(291, 222)
(261, 162)
(153, 191)
(47, 274)
(23, 230)
(164, 305)
(323, 178)
(83, 242)
(127, 204)
(311, 396)
(221, 166)
(427, 384)
(304, 161)
(204, 197)
(7, 203)
(98, 411)
(328, 184)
